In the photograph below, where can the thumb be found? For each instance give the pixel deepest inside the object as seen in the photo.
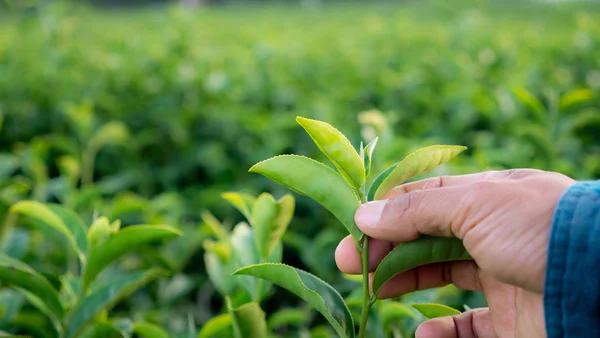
(434, 211)
(470, 324)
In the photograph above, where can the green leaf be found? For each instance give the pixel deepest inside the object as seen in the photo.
(531, 102)
(101, 330)
(243, 202)
(59, 219)
(322, 296)
(337, 148)
(10, 304)
(367, 155)
(105, 296)
(218, 327)
(113, 132)
(298, 317)
(286, 205)
(40, 305)
(431, 310)
(214, 225)
(416, 163)
(219, 273)
(245, 253)
(263, 217)
(424, 250)
(18, 274)
(317, 181)
(125, 241)
(390, 312)
(378, 180)
(148, 330)
(74, 223)
(8, 165)
(249, 321)
(575, 97)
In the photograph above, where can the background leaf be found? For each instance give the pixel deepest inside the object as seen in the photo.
(104, 296)
(18, 274)
(125, 241)
(310, 288)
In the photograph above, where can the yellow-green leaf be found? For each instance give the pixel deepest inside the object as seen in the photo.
(98, 232)
(242, 202)
(147, 330)
(286, 205)
(531, 102)
(416, 163)
(249, 321)
(218, 327)
(337, 148)
(431, 310)
(317, 181)
(575, 97)
(58, 218)
(322, 296)
(264, 213)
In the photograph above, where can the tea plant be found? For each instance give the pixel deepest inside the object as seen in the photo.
(77, 302)
(341, 193)
(259, 242)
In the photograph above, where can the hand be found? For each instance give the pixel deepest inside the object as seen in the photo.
(503, 219)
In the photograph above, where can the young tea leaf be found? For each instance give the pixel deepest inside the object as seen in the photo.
(263, 216)
(99, 232)
(243, 202)
(286, 205)
(322, 296)
(367, 155)
(416, 163)
(18, 274)
(125, 241)
(337, 148)
(59, 219)
(431, 310)
(378, 180)
(103, 297)
(218, 327)
(424, 250)
(147, 330)
(317, 181)
(249, 321)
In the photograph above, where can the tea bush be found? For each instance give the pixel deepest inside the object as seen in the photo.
(147, 116)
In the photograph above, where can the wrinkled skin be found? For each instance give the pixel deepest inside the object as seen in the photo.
(504, 220)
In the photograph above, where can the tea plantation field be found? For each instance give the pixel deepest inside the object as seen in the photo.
(149, 115)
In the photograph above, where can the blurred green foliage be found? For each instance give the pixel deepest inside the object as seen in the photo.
(148, 115)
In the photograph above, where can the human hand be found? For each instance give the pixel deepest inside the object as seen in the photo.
(503, 219)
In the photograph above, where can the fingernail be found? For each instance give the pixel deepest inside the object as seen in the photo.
(369, 214)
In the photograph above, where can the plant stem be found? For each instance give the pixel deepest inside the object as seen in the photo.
(364, 254)
(366, 299)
